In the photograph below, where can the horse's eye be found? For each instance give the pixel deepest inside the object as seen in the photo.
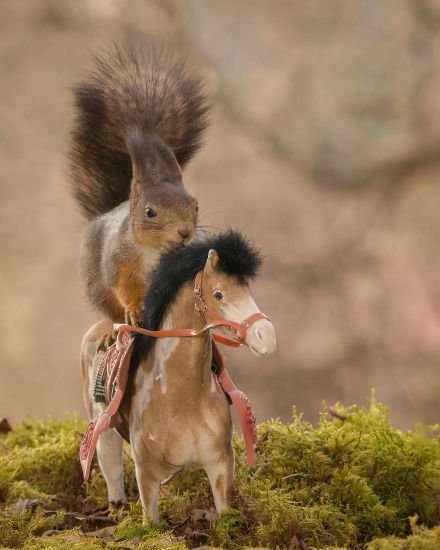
(218, 295)
(197, 207)
(150, 213)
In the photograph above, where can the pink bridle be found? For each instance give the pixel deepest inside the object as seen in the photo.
(238, 330)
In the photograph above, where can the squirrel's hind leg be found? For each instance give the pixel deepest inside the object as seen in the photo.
(108, 340)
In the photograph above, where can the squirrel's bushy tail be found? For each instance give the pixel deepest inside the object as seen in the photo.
(144, 90)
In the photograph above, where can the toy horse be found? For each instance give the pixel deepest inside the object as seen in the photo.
(175, 412)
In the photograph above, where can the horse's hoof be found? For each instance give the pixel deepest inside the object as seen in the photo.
(118, 504)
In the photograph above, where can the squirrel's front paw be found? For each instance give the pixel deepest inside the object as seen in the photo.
(133, 318)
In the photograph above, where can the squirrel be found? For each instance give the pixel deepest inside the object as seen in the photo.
(139, 118)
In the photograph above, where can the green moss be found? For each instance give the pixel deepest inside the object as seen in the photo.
(174, 505)
(424, 539)
(17, 528)
(337, 484)
(14, 529)
(134, 527)
(163, 542)
(24, 490)
(96, 491)
(342, 483)
(229, 530)
(66, 541)
(44, 455)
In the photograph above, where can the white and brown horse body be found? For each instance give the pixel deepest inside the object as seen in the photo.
(179, 414)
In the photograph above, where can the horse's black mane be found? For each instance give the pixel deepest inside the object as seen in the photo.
(236, 255)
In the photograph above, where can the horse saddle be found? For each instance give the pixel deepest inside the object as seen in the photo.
(110, 386)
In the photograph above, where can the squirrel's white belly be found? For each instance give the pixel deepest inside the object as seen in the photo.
(150, 257)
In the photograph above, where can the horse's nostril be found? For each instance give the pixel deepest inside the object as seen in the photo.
(258, 334)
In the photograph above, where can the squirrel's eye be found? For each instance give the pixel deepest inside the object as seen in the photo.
(197, 207)
(150, 213)
(218, 295)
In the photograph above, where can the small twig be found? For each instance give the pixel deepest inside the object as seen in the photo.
(293, 475)
(333, 412)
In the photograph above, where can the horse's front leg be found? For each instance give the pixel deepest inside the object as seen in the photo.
(147, 475)
(109, 451)
(149, 486)
(221, 477)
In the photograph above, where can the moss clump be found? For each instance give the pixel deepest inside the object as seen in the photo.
(161, 543)
(17, 528)
(133, 527)
(24, 490)
(349, 483)
(74, 540)
(341, 483)
(45, 456)
(421, 539)
(67, 541)
(230, 529)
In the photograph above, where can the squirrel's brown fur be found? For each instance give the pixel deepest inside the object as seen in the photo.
(139, 119)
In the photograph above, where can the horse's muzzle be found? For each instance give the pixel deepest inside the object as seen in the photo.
(261, 338)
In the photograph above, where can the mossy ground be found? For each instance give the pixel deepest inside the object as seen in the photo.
(352, 482)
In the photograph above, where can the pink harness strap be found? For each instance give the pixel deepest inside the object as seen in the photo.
(117, 363)
(242, 405)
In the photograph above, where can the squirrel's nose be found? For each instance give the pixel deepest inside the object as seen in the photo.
(184, 233)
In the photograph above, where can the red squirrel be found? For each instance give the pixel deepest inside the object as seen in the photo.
(140, 115)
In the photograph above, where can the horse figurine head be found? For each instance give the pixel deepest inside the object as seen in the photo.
(177, 413)
(225, 296)
(226, 264)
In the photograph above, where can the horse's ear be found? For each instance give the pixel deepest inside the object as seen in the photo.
(211, 262)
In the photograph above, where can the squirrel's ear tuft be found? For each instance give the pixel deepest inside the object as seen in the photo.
(152, 160)
(137, 147)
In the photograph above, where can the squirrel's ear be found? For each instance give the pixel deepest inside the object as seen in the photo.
(211, 262)
(152, 160)
(136, 146)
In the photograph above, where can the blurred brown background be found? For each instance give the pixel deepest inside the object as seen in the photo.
(324, 148)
